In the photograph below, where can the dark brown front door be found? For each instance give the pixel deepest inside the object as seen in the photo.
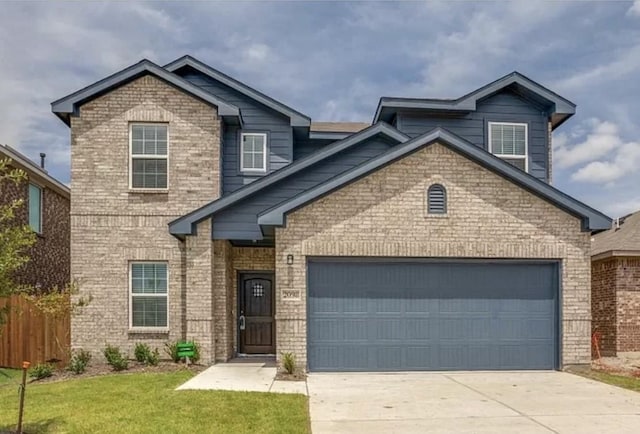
(257, 334)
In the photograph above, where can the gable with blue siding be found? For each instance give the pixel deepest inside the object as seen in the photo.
(505, 106)
(257, 118)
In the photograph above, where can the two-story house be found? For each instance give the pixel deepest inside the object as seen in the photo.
(45, 209)
(431, 239)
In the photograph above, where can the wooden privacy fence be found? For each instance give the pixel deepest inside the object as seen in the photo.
(32, 335)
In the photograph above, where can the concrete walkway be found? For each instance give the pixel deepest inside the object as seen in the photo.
(478, 402)
(246, 375)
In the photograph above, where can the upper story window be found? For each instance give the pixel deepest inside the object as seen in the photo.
(437, 199)
(253, 152)
(35, 208)
(149, 155)
(509, 142)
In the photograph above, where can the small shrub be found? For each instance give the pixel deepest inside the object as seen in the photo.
(289, 362)
(171, 348)
(153, 358)
(144, 354)
(115, 358)
(40, 371)
(79, 361)
(141, 352)
(196, 352)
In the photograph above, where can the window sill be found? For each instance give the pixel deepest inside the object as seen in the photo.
(149, 190)
(253, 172)
(149, 330)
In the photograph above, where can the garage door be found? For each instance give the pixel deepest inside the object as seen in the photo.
(382, 315)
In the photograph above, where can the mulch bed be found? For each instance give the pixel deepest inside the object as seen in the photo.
(296, 376)
(97, 369)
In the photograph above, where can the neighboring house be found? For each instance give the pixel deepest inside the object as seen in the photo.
(203, 209)
(46, 210)
(615, 286)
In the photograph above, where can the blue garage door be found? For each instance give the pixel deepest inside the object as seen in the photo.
(384, 315)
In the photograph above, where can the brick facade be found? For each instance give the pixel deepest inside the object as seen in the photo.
(616, 303)
(384, 214)
(49, 257)
(111, 225)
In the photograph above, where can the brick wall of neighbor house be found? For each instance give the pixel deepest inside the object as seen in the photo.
(383, 214)
(603, 304)
(48, 266)
(628, 305)
(111, 226)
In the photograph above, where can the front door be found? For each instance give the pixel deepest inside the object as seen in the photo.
(257, 333)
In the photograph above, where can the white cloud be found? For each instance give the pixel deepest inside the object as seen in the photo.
(624, 161)
(634, 9)
(601, 141)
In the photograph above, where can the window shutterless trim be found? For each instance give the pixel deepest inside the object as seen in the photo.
(166, 295)
(40, 206)
(146, 157)
(524, 157)
(264, 156)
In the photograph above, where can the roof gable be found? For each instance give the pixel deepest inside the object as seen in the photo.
(621, 240)
(591, 219)
(70, 104)
(185, 225)
(560, 108)
(297, 119)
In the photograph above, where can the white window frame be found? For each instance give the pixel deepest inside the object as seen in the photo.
(264, 154)
(524, 157)
(41, 189)
(131, 296)
(145, 156)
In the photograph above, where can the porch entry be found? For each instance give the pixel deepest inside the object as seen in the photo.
(256, 329)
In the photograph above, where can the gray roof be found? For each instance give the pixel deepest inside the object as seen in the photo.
(185, 225)
(560, 108)
(297, 119)
(64, 107)
(622, 239)
(591, 219)
(33, 170)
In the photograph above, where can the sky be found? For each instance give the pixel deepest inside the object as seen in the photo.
(334, 60)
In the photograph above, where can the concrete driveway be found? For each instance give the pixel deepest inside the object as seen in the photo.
(469, 402)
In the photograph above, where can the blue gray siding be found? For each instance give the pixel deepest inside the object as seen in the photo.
(257, 118)
(391, 315)
(473, 126)
(239, 222)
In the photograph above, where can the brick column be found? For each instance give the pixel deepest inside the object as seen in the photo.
(199, 291)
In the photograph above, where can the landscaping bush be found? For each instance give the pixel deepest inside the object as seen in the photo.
(289, 362)
(143, 354)
(79, 361)
(115, 358)
(40, 371)
(171, 348)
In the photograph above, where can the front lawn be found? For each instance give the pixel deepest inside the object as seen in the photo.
(631, 383)
(148, 403)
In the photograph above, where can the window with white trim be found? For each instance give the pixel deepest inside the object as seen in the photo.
(148, 298)
(508, 141)
(35, 208)
(253, 152)
(149, 155)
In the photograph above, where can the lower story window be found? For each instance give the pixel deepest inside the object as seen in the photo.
(148, 304)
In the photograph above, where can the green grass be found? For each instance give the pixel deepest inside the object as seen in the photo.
(9, 376)
(630, 383)
(148, 403)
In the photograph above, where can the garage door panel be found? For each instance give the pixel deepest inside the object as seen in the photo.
(432, 315)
